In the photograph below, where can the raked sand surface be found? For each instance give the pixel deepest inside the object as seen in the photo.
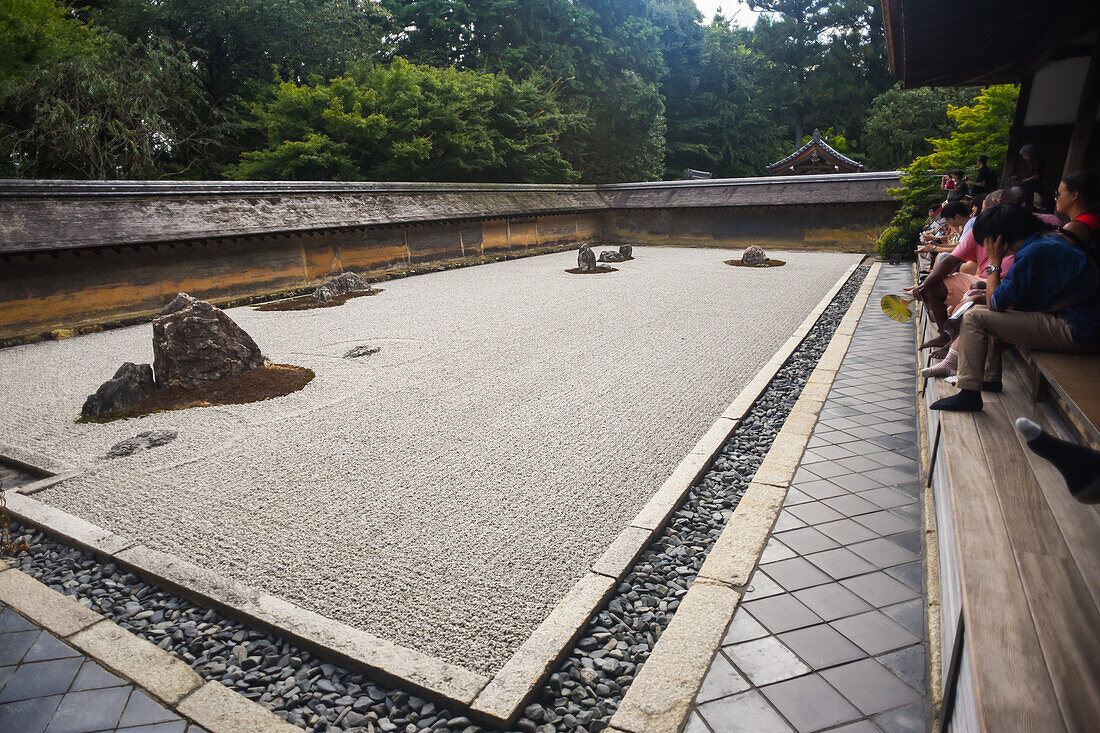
(445, 493)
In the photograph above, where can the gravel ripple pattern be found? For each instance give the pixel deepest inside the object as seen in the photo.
(462, 479)
(580, 697)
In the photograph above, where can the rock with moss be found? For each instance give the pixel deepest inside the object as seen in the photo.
(195, 343)
(342, 284)
(754, 255)
(586, 259)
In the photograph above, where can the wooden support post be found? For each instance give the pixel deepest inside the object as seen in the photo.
(1016, 133)
(1086, 115)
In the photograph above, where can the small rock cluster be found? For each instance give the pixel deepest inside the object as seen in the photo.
(342, 284)
(622, 255)
(194, 343)
(580, 696)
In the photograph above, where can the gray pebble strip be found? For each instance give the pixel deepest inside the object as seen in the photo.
(581, 696)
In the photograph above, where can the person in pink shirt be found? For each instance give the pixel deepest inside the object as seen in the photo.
(944, 288)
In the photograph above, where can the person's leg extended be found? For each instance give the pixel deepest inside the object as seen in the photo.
(977, 362)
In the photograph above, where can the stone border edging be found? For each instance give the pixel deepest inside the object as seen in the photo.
(498, 700)
(660, 697)
(346, 645)
(930, 537)
(208, 703)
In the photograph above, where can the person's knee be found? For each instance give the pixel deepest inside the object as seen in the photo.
(975, 320)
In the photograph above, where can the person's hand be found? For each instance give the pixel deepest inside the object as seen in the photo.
(977, 296)
(979, 285)
(927, 247)
(996, 249)
(913, 291)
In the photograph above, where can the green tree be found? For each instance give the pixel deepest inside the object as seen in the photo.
(602, 56)
(77, 101)
(735, 134)
(236, 43)
(979, 128)
(826, 61)
(900, 123)
(411, 123)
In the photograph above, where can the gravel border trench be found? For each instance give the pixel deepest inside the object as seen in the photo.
(580, 696)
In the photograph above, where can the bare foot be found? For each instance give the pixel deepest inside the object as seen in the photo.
(934, 343)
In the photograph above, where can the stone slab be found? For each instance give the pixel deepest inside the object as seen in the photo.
(657, 510)
(661, 695)
(165, 677)
(59, 614)
(521, 675)
(624, 550)
(713, 440)
(217, 708)
(66, 527)
(45, 483)
(735, 553)
(783, 458)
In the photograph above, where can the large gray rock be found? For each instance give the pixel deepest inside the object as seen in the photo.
(586, 259)
(342, 284)
(610, 255)
(626, 250)
(195, 343)
(754, 255)
(131, 384)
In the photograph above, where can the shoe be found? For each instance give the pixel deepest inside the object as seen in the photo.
(967, 400)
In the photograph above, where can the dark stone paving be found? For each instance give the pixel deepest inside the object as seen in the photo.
(832, 634)
(46, 686)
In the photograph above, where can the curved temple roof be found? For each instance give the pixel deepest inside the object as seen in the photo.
(842, 163)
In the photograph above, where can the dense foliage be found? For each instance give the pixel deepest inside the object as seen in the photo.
(901, 123)
(532, 90)
(978, 128)
(407, 122)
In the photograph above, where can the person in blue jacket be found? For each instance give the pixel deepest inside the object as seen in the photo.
(1049, 302)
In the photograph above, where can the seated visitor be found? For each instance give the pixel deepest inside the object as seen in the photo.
(1031, 178)
(945, 286)
(1050, 302)
(983, 182)
(955, 217)
(1078, 197)
(1021, 196)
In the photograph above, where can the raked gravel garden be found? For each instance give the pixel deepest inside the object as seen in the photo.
(640, 371)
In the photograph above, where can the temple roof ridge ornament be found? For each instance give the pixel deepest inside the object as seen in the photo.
(816, 156)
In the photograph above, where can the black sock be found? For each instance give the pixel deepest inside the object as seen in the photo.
(1079, 466)
(992, 386)
(967, 400)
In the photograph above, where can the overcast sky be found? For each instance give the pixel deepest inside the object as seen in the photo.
(734, 9)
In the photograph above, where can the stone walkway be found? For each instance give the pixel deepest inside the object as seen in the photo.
(832, 633)
(47, 686)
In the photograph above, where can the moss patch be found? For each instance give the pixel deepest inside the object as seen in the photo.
(308, 302)
(601, 270)
(253, 385)
(769, 263)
